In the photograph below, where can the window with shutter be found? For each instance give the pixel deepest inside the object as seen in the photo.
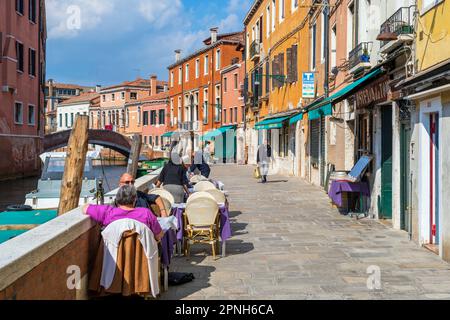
(267, 76)
(274, 83)
(315, 141)
(289, 64)
(294, 64)
(281, 69)
(260, 72)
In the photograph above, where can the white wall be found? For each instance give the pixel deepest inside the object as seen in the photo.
(71, 109)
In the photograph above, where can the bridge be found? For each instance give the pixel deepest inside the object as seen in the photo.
(105, 138)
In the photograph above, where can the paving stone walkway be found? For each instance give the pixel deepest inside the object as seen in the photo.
(288, 243)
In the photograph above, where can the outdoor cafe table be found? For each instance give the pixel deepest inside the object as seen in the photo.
(225, 227)
(340, 186)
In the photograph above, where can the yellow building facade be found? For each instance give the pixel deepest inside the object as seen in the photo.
(277, 40)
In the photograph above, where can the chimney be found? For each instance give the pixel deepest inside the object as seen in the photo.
(98, 88)
(153, 85)
(51, 84)
(177, 55)
(214, 34)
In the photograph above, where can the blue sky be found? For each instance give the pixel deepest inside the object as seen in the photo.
(109, 41)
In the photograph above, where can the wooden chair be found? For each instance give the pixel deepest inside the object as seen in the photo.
(203, 186)
(201, 220)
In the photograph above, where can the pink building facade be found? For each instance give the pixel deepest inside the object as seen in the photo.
(233, 107)
(22, 76)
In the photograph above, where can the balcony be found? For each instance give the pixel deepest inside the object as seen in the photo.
(398, 29)
(255, 50)
(359, 57)
(190, 125)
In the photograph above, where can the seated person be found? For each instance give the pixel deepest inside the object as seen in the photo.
(126, 209)
(149, 201)
(200, 164)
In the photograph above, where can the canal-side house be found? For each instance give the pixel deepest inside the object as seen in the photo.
(155, 121)
(195, 85)
(233, 110)
(428, 90)
(84, 104)
(276, 34)
(22, 76)
(55, 94)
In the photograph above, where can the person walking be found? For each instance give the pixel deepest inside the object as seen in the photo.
(263, 160)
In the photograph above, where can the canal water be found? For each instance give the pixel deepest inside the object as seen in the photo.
(14, 191)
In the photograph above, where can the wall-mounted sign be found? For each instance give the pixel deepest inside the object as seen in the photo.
(374, 93)
(308, 90)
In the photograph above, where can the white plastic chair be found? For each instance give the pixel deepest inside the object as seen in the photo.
(204, 186)
(218, 195)
(200, 195)
(202, 224)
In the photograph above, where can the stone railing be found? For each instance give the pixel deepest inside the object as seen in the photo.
(52, 261)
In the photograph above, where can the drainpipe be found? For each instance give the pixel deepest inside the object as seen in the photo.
(326, 46)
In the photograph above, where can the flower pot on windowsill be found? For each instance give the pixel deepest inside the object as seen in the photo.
(364, 58)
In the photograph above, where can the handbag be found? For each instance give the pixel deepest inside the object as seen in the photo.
(178, 278)
(257, 173)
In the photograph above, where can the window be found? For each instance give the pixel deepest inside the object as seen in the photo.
(218, 57)
(268, 21)
(32, 62)
(153, 117)
(66, 116)
(104, 98)
(20, 57)
(322, 38)
(60, 120)
(294, 5)
(145, 118)
(179, 110)
(157, 140)
(217, 106)
(247, 51)
(162, 116)
(283, 142)
(31, 115)
(243, 113)
(281, 10)
(32, 10)
(20, 6)
(205, 106)
(291, 55)
(171, 79)
(139, 116)
(236, 82)
(113, 97)
(206, 64)
(313, 47)
(123, 95)
(171, 112)
(428, 4)
(18, 113)
(150, 140)
(145, 139)
(274, 5)
(187, 73)
(133, 95)
(236, 114)
(225, 84)
(197, 68)
(224, 115)
(333, 47)
(71, 120)
(180, 75)
(351, 27)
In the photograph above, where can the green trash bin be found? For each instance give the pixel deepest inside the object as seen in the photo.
(149, 166)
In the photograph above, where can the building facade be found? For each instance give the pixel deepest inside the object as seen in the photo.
(55, 94)
(428, 91)
(83, 104)
(22, 74)
(195, 83)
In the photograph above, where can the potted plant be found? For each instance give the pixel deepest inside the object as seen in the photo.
(365, 57)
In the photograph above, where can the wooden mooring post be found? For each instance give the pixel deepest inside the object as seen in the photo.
(134, 155)
(74, 166)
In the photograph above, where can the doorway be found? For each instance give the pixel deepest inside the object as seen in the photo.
(405, 179)
(385, 208)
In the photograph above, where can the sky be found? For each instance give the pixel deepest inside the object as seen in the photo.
(106, 42)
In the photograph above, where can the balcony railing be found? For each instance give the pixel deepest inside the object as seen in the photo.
(401, 22)
(255, 49)
(360, 54)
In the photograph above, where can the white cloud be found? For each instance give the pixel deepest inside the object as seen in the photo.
(235, 6)
(160, 12)
(230, 23)
(67, 18)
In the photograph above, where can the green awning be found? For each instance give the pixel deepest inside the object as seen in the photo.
(168, 134)
(274, 123)
(324, 107)
(211, 135)
(296, 118)
(326, 110)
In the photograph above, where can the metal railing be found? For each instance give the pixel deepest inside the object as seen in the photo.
(360, 54)
(401, 22)
(255, 49)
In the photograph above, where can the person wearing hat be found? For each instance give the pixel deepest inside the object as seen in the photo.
(174, 179)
